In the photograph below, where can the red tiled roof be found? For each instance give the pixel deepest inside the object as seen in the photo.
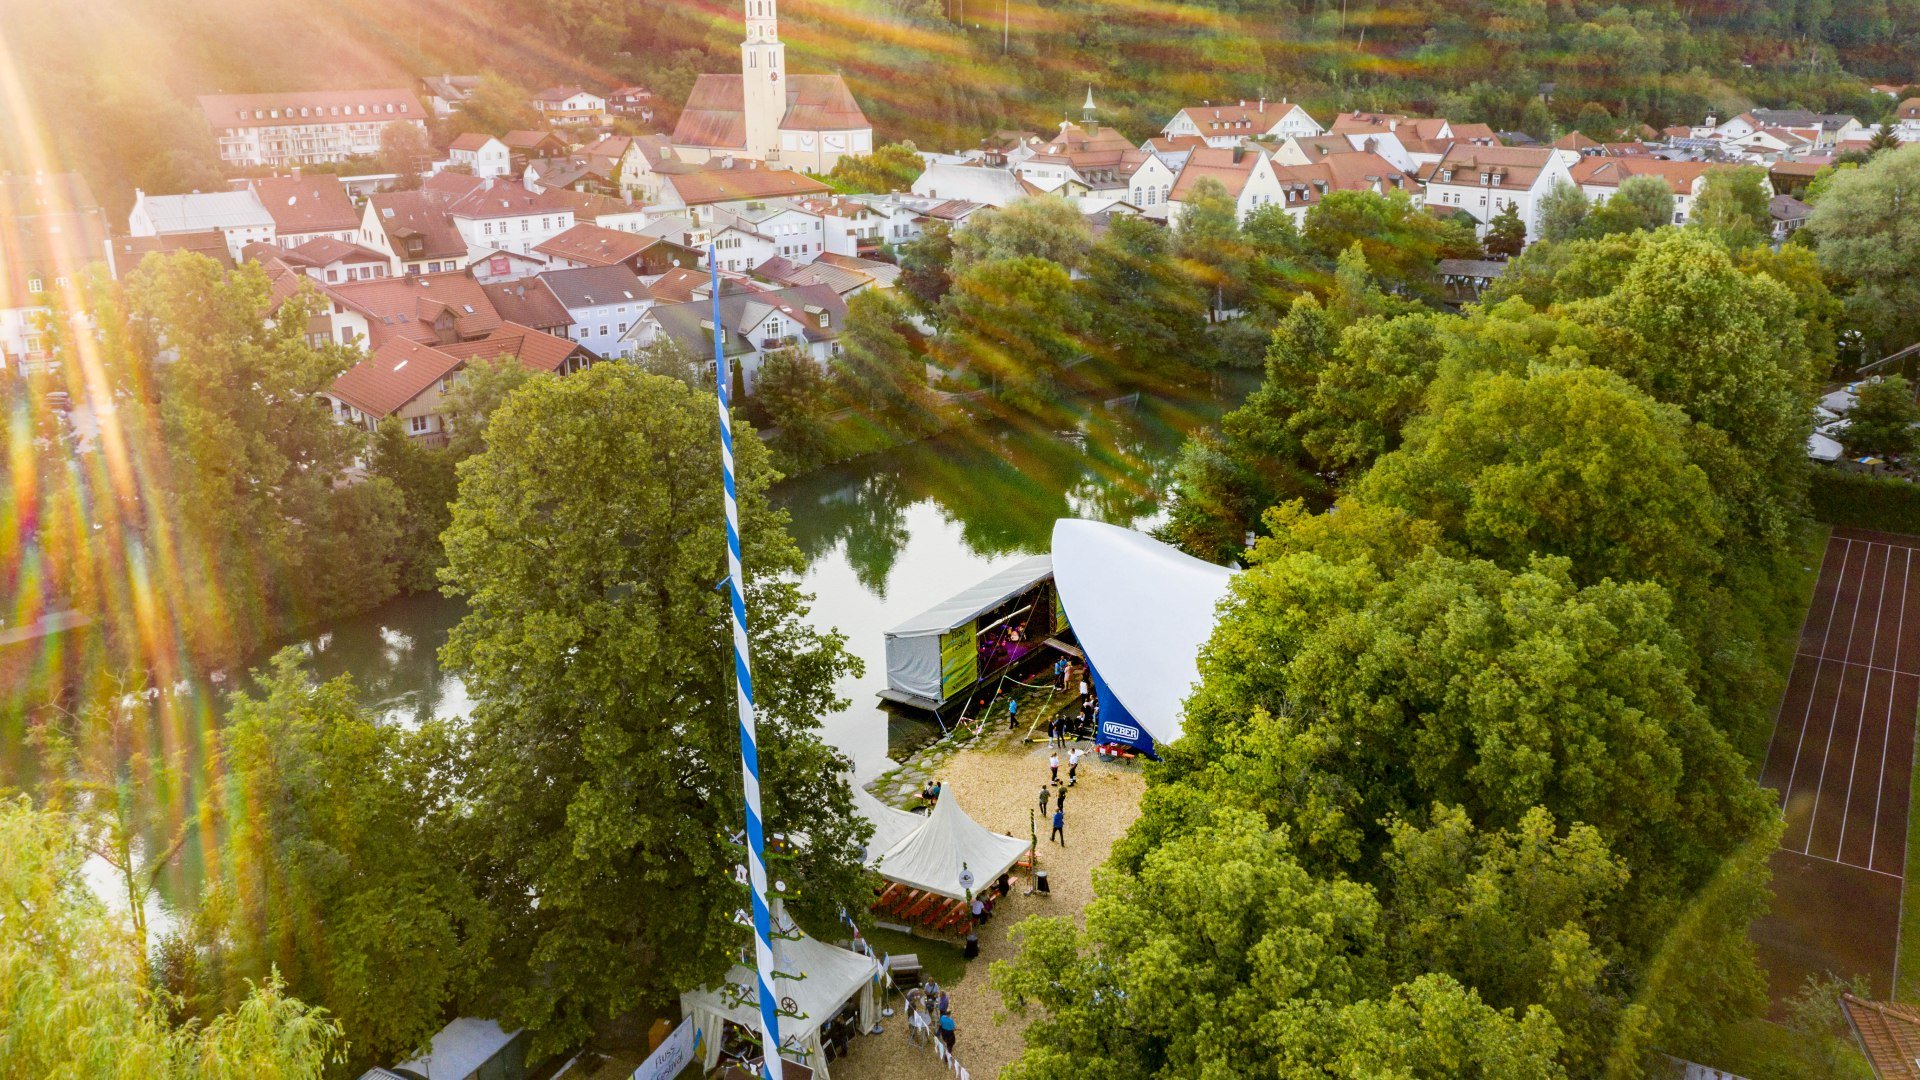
(595, 245)
(472, 140)
(451, 185)
(305, 204)
(323, 107)
(561, 93)
(509, 199)
(409, 306)
(1519, 166)
(1612, 172)
(1215, 163)
(418, 213)
(535, 349)
(676, 285)
(528, 140)
(322, 250)
(1574, 140)
(129, 251)
(1889, 1035)
(1475, 133)
(1909, 109)
(715, 115)
(397, 372)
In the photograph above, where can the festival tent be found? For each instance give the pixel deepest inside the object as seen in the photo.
(890, 825)
(934, 857)
(1141, 611)
(1821, 448)
(813, 981)
(916, 672)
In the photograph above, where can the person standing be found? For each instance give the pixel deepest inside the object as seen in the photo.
(919, 1023)
(1053, 765)
(1043, 800)
(1013, 713)
(1060, 799)
(1059, 826)
(1073, 765)
(1083, 687)
(947, 1030)
(1060, 673)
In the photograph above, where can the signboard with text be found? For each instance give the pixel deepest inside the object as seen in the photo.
(673, 1056)
(959, 660)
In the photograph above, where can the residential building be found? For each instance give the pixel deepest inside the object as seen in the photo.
(307, 208)
(1788, 214)
(643, 159)
(847, 277)
(794, 227)
(433, 309)
(509, 216)
(51, 231)
(409, 379)
(447, 94)
(570, 105)
(807, 318)
(848, 226)
(496, 266)
(1228, 125)
(525, 146)
(804, 122)
(1245, 173)
(1484, 180)
(326, 260)
(733, 186)
(236, 215)
(1386, 144)
(1601, 177)
(300, 128)
(603, 303)
(414, 228)
(637, 102)
(130, 251)
(483, 155)
(594, 245)
(1304, 186)
(1906, 120)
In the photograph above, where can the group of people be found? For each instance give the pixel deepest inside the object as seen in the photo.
(929, 1012)
(1057, 793)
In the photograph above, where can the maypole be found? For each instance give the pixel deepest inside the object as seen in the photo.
(743, 694)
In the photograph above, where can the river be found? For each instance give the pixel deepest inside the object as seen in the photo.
(884, 538)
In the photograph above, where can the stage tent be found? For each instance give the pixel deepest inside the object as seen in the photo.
(890, 825)
(914, 667)
(932, 857)
(1141, 611)
(813, 981)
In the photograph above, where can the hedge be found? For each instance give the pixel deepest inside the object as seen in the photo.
(1865, 502)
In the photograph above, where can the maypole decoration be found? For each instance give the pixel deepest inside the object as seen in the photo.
(743, 693)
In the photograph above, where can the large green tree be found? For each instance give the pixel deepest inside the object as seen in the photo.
(1017, 322)
(1869, 242)
(604, 771)
(1882, 420)
(1044, 226)
(1732, 205)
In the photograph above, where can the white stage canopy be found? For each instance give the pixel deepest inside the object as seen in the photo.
(933, 856)
(890, 825)
(1142, 611)
(825, 978)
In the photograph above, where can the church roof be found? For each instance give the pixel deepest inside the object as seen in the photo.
(715, 115)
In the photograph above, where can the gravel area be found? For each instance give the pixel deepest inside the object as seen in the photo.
(997, 783)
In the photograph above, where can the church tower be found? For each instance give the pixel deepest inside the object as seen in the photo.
(763, 73)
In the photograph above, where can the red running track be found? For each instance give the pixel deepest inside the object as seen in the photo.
(1842, 760)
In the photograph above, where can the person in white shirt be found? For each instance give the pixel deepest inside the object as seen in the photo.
(1073, 765)
(1053, 763)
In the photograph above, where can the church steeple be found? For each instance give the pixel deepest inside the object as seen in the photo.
(763, 73)
(1086, 111)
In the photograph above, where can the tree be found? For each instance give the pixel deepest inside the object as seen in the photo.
(1563, 213)
(498, 106)
(883, 364)
(926, 266)
(482, 388)
(1149, 316)
(1869, 243)
(1043, 226)
(604, 771)
(667, 357)
(425, 480)
(1559, 462)
(1883, 139)
(1401, 242)
(76, 1003)
(1506, 233)
(891, 167)
(1208, 243)
(256, 456)
(1882, 420)
(1017, 321)
(1732, 205)
(1537, 121)
(404, 149)
(352, 886)
(1641, 203)
(792, 390)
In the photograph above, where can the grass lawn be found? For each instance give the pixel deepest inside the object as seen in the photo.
(939, 961)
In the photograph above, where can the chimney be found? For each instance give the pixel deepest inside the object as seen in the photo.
(1239, 152)
(1243, 103)
(1263, 104)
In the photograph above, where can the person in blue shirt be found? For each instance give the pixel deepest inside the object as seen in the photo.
(1013, 712)
(1060, 823)
(947, 1029)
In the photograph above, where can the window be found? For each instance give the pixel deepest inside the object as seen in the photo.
(826, 318)
(418, 424)
(34, 285)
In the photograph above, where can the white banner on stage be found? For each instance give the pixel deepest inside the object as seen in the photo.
(674, 1055)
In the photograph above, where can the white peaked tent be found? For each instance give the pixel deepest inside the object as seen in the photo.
(1821, 448)
(1141, 611)
(931, 857)
(890, 825)
(813, 981)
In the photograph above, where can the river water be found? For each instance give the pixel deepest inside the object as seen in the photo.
(884, 538)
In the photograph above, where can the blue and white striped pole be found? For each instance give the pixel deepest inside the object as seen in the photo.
(743, 693)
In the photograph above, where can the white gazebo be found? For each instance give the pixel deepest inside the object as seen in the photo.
(951, 854)
(813, 981)
(1142, 611)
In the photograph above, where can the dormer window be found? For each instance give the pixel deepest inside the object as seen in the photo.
(34, 284)
(826, 319)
